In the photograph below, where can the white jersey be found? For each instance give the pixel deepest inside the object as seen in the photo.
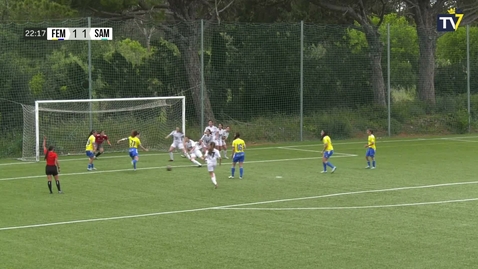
(214, 130)
(224, 135)
(190, 144)
(177, 139)
(194, 149)
(212, 158)
(206, 140)
(177, 136)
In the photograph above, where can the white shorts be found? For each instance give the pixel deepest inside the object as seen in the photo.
(220, 143)
(196, 154)
(211, 167)
(177, 145)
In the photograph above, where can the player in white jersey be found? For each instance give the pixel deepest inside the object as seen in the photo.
(223, 137)
(178, 143)
(205, 140)
(212, 156)
(214, 130)
(193, 150)
(220, 132)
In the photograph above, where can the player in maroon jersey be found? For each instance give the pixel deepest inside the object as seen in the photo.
(100, 138)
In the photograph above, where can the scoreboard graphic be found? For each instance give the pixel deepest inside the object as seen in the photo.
(63, 34)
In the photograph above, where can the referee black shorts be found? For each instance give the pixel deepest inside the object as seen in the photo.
(51, 170)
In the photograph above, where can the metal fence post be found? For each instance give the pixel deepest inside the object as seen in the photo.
(301, 80)
(388, 82)
(468, 75)
(90, 80)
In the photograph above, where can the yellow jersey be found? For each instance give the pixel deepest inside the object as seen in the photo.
(328, 142)
(90, 143)
(133, 142)
(238, 145)
(371, 142)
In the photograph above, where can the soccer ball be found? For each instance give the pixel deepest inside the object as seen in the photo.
(169, 168)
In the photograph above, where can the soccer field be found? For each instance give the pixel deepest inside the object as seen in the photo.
(418, 209)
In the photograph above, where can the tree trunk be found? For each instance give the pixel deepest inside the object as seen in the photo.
(427, 38)
(189, 52)
(375, 55)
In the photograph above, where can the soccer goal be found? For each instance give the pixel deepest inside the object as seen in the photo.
(67, 123)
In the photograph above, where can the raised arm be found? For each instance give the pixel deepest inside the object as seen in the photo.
(44, 144)
(122, 139)
(169, 135)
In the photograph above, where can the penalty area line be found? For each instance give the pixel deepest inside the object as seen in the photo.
(237, 206)
(163, 167)
(272, 147)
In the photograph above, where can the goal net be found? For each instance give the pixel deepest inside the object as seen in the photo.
(67, 123)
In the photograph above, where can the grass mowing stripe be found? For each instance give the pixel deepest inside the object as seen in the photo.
(177, 166)
(234, 206)
(266, 148)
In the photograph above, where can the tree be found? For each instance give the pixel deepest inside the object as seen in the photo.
(21, 10)
(180, 24)
(424, 14)
(361, 11)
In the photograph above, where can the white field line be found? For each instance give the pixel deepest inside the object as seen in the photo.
(267, 148)
(233, 206)
(349, 207)
(293, 148)
(462, 140)
(173, 166)
(336, 154)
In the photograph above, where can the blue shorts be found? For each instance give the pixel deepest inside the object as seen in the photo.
(133, 152)
(370, 153)
(90, 154)
(239, 157)
(328, 154)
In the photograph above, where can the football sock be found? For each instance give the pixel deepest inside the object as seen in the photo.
(225, 153)
(330, 165)
(233, 170)
(241, 171)
(134, 163)
(196, 162)
(49, 186)
(368, 163)
(373, 163)
(325, 166)
(213, 178)
(89, 166)
(222, 153)
(171, 156)
(57, 185)
(98, 154)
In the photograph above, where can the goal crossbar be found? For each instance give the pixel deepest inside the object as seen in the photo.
(157, 102)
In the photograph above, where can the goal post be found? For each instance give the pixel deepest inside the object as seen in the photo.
(66, 123)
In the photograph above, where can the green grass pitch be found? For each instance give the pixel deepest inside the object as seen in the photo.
(418, 209)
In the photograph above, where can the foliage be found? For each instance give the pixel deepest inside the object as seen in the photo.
(403, 47)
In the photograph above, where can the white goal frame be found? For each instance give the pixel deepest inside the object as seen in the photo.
(39, 102)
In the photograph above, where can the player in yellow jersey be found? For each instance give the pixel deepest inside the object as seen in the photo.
(238, 155)
(371, 149)
(91, 149)
(134, 143)
(327, 152)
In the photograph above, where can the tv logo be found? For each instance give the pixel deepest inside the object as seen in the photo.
(449, 22)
